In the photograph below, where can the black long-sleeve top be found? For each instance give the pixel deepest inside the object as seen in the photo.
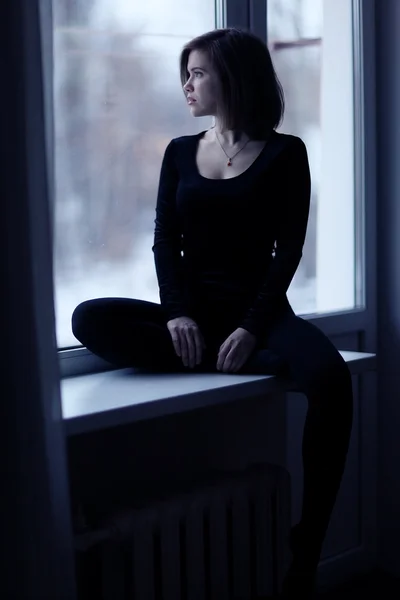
(231, 244)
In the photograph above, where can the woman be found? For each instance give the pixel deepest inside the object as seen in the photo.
(231, 219)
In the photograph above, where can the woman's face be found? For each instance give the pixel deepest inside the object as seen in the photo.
(202, 86)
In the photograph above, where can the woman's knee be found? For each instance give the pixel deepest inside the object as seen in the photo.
(81, 317)
(336, 374)
(314, 362)
(328, 379)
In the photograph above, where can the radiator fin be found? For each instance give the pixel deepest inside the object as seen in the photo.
(219, 547)
(113, 569)
(241, 542)
(170, 518)
(195, 549)
(143, 555)
(263, 517)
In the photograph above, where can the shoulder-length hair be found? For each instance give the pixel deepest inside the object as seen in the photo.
(251, 97)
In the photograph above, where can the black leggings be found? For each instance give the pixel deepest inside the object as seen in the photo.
(133, 333)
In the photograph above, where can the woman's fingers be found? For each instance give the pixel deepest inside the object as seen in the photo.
(195, 344)
(199, 346)
(176, 342)
(187, 340)
(184, 346)
(223, 354)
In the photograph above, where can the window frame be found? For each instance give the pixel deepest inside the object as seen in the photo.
(361, 320)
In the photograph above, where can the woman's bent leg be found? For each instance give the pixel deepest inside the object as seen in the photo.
(126, 333)
(317, 367)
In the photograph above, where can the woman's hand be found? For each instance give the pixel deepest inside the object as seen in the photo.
(236, 350)
(187, 340)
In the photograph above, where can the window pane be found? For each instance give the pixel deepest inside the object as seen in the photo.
(311, 45)
(118, 102)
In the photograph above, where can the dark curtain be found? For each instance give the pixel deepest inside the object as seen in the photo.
(35, 528)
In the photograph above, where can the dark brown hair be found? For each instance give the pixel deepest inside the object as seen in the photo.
(252, 98)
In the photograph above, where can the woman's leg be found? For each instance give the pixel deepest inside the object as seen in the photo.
(317, 367)
(126, 332)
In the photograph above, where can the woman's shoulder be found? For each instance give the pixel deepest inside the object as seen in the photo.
(288, 142)
(185, 141)
(179, 148)
(288, 148)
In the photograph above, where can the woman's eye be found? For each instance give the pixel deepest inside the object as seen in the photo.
(198, 73)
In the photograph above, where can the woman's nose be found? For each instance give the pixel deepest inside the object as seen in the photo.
(188, 87)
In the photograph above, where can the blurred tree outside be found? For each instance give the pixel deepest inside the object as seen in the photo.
(109, 129)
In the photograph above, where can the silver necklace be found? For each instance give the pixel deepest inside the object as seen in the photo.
(230, 158)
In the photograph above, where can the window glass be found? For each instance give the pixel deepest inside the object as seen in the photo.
(118, 102)
(311, 42)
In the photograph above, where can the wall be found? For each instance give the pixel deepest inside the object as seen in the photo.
(388, 136)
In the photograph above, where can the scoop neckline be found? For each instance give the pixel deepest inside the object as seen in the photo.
(236, 177)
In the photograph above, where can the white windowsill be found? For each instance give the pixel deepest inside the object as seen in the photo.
(113, 398)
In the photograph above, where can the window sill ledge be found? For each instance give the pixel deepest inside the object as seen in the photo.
(113, 398)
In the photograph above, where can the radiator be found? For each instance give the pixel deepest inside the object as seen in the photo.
(224, 540)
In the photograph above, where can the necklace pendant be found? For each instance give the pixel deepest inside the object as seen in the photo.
(229, 163)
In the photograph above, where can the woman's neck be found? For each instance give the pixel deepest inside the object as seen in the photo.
(230, 137)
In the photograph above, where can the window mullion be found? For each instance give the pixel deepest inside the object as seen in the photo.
(258, 18)
(247, 14)
(237, 13)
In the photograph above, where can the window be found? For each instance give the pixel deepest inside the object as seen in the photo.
(311, 42)
(117, 102)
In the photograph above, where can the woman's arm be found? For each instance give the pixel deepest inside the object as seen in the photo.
(167, 239)
(293, 210)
